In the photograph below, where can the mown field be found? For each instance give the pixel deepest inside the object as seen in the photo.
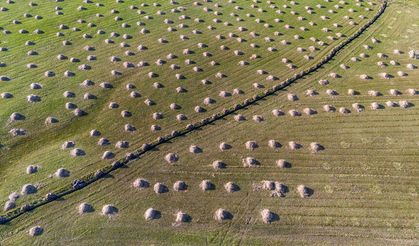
(364, 182)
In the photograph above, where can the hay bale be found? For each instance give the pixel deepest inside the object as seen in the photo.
(222, 214)
(331, 92)
(292, 97)
(62, 173)
(14, 196)
(401, 74)
(171, 158)
(329, 108)
(231, 187)
(224, 146)
(309, 111)
(394, 92)
(152, 214)
(15, 132)
(412, 92)
(258, 118)
(344, 110)
(109, 209)
(36, 231)
(358, 107)
(304, 191)
(267, 216)
(16, 117)
(141, 183)
(375, 106)
(274, 144)
(268, 185)
(182, 217)
(6, 95)
(95, 133)
(195, 149)
(323, 82)
(206, 185)
(160, 188)
(122, 144)
(107, 155)
(311, 93)
(294, 145)
(28, 189)
(239, 117)
(77, 152)
(251, 145)
(103, 142)
(405, 104)
(33, 98)
(316, 147)
(31, 169)
(129, 128)
(392, 104)
(250, 162)
(218, 164)
(294, 113)
(180, 186)
(51, 120)
(411, 66)
(281, 163)
(277, 112)
(9, 205)
(85, 208)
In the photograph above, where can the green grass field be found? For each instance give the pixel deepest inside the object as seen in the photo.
(364, 181)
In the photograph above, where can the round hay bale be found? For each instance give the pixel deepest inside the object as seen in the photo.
(352, 92)
(218, 164)
(331, 92)
(294, 113)
(311, 93)
(274, 144)
(141, 183)
(9, 205)
(250, 162)
(129, 128)
(126, 113)
(160, 188)
(309, 111)
(152, 214)
(6, 95)
(51, 120)
(33, 98)
(304, 191)
(231, 187)
(364, 76)
(344, 110)
(109, 209)
(77, 152)
(224, 146)
(14, 196)
(103, 142)
(171, 158)
(329, 108)
(412, 92)
(281, 163)
(394, 92)
(195, 149)
(267, 216)
(239, 117)
(375, 106)
(95, 133)
(85, 208)
(323, 82)
(62, 173)
(411, 66)
(222, 214)
(206, 185)
(358, 107)
(70, 106)
(68, 144)
(258, 118)
(292, 97)
(277, 112)
(16, 117)
(17, 132)
(107, 155)
(31, 169)
(268, 185)
(251, 145)
(401, 74)
(182, 217)
(181, 117)
(316, 147)
(180, 186)
(392, 104)
(28, 189)
(122, 144)
(405, 104)
(36, 231)
(294, 146)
